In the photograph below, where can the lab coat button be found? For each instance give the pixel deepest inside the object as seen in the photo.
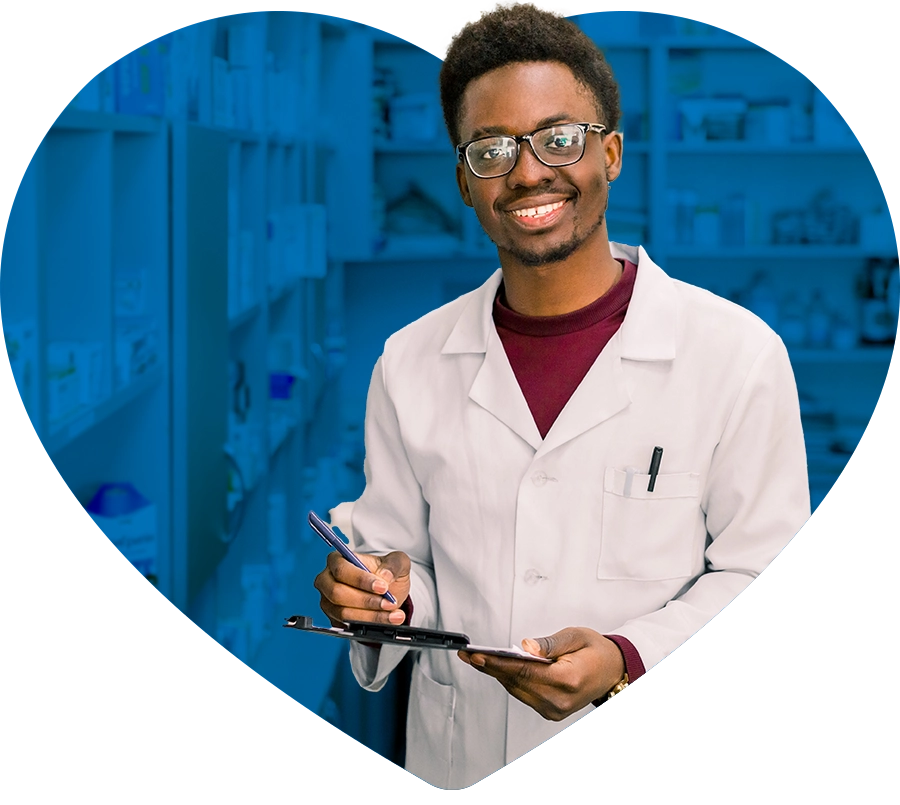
(532, 576)
(539, 478)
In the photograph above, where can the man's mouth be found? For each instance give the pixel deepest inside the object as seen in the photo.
(540, 216)
(539, 211)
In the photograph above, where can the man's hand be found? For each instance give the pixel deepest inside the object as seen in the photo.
(351, 594)
(587, 666)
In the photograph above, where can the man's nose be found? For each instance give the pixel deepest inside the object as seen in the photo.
(529, 171)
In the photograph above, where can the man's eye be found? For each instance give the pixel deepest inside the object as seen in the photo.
(560, 141)
(489, 153)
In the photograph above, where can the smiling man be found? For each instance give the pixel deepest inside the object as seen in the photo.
(583, 456)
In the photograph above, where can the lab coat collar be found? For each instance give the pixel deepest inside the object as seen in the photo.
(650, 329)
(647, 334)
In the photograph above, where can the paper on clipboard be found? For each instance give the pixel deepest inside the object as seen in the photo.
(512, 651)
(410, 637)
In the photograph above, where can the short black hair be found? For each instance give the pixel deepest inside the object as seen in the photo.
(523, 33)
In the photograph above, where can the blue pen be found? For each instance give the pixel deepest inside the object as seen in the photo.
(334, 541)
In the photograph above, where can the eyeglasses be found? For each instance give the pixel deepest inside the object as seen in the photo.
(555, 146)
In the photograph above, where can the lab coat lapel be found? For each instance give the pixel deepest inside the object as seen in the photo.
(495, 387)
(647, 334)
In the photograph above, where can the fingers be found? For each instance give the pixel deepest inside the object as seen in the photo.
(565, 641)
(529, 682)
(507, 670)
(337, 614)
(343, 595)
(345, 573)
(394, 565)
(348, 593)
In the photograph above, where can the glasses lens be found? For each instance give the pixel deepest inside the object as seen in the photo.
(559, 145)
(492, 156)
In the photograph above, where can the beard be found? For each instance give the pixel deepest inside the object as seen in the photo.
(533, 258)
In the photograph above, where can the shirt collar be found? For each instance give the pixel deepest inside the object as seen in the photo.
(647, 334)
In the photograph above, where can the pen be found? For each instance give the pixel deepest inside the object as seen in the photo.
(654, 467)
(334, 541)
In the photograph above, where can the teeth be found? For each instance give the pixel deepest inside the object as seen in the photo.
(533, 212)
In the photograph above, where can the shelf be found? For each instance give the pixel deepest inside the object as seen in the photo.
(787, 252)
(740, 147)
(869, 355)
(239, 135)
(83, 419)
(280, 291)
(627, 216)
(440, 147)
(238, 320)
(418, 257)
(713, 42)
(82, 120)
(280, 430)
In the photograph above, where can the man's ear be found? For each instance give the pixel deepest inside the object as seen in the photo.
(612, 151)
(462, 182)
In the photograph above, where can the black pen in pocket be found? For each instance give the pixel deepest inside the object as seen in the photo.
(654, 467)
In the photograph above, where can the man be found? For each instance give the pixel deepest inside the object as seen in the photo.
(510, 434)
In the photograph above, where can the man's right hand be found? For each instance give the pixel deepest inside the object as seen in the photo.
(351, 594)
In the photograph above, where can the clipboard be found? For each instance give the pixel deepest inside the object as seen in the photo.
(410, 637)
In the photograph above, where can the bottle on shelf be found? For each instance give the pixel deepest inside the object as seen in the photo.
(878, 324)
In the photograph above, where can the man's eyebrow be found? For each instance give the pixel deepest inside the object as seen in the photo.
(487, 131)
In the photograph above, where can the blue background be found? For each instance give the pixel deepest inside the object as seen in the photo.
(168, 241)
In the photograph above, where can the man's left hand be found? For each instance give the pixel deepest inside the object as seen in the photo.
(586, 667)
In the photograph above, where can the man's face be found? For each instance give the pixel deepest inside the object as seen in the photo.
(516, 99)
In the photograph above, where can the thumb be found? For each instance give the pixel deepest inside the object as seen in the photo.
(392, 566)
(554, 646)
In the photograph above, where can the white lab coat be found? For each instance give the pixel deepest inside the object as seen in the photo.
(512, 536)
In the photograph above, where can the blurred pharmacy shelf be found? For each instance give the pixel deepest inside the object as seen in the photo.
(789, 252)
(84, 418)
(864, 355)
(174, 323)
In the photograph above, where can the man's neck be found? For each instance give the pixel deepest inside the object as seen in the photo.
(558, 288)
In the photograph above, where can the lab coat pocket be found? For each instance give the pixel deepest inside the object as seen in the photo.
(651, 535)
(429, 729)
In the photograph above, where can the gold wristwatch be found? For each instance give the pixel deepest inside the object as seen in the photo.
(617, 688)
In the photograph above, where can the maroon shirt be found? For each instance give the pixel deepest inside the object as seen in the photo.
(550, 355)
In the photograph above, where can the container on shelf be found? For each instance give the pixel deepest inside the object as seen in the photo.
(130, 293)
(733, 221)
(706, 227)
(76, 377)
(21, 347)
(136, 349)
(712, 119)
(140, 81)
(878, 321)
(415, 117)
(819, 322)
(129, 520)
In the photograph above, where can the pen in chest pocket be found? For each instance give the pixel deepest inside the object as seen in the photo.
(654, 467)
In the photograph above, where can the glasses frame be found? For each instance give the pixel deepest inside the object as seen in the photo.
(463, 148)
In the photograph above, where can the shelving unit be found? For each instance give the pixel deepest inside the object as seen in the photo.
(779, 165)
(203, 216)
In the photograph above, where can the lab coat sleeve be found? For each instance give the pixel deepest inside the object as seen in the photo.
(391, 515)
(756, 499)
